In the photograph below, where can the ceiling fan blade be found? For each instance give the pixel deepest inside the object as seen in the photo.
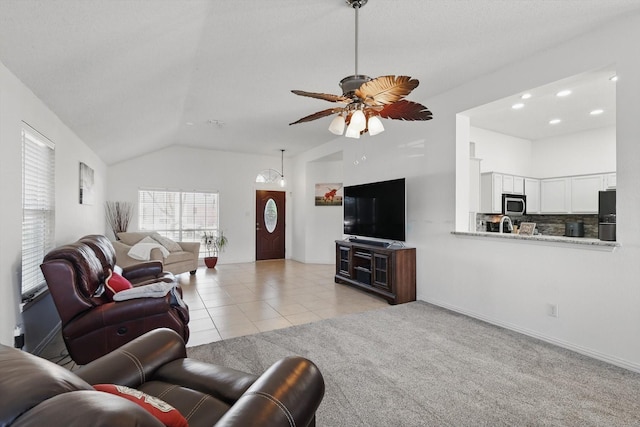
(386, 89)
(325, 96)
(318, 115)
(406, 110)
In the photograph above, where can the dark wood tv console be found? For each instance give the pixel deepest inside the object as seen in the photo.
(389, 272)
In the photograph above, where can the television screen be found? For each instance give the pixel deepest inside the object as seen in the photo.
(375, 210)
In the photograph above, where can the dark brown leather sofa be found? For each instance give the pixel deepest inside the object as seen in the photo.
(36, 392)
(92, 324)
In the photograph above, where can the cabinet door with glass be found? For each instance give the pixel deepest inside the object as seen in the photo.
(381, 271)
(344, 263)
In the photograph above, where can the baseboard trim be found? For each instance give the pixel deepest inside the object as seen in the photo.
(551, 340)
(47, 339)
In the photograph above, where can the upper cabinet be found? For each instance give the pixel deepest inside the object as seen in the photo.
(584, 193)
(491, 189)
(563, 195)
(493, 185)
(610, 181)
(532, 191)
(574, 194)
(555, 195)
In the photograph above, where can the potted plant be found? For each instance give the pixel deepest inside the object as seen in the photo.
(214, 243)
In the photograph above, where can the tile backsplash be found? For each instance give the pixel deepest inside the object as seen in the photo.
(550, 225)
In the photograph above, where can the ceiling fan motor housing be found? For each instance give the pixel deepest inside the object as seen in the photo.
(352, 83)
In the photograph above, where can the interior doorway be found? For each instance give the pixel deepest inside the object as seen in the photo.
(270, 225)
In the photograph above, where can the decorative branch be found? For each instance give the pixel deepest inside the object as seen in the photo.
(118, 216)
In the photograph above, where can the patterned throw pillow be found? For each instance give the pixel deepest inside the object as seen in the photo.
(167, 243)
(115, 283)
(165, 413)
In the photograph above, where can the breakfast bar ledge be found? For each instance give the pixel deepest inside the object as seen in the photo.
(580, 242)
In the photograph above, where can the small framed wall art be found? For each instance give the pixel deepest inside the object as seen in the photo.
(86, 185)
(329, 194)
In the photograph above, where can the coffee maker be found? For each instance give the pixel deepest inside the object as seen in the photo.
(607, 215)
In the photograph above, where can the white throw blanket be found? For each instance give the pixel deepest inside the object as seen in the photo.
(152, 290)
(142, 251)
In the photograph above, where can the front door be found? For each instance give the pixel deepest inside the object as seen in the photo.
(270, 210)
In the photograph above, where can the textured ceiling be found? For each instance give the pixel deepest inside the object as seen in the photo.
(133, 76)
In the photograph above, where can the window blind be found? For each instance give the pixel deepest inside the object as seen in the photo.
(179, 215)
(38, 207)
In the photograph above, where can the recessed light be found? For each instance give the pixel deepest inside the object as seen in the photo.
(554, 121)
(189, 123)
(596, 112)
(614, 78)
(517, 106)
(562, 93)
(525, 96)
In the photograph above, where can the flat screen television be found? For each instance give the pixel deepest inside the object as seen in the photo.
(375, 210)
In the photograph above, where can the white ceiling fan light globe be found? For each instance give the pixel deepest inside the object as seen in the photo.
(352, 131)
(375, 126)
(358, 120)
(337, 125)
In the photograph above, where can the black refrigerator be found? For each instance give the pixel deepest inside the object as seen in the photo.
(607, 215)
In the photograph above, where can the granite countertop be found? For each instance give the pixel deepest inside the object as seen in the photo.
(596, 243)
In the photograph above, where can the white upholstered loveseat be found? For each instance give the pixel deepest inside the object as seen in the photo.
(176, 261)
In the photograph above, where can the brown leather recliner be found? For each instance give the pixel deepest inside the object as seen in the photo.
(92, 324)
(36, 392)
(139, 274)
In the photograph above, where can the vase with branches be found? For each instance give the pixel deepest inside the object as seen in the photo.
(118, 216)
(214, 242)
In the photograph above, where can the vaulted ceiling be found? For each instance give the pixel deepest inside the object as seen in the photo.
(133, 76)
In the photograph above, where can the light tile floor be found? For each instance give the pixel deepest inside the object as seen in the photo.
(233, 300)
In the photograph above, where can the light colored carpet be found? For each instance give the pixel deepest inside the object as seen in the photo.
(419, 365)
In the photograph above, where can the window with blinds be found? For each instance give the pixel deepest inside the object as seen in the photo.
(179, 215)
(38, 207)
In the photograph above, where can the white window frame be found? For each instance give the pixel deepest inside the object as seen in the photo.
(38, 208)
(167, 213)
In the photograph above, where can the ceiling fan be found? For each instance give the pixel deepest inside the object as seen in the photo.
(366, 100)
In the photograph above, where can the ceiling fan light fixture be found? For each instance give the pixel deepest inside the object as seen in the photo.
(358, 121)
(337, 125)
(352, 132)
(363, 97)
(375, 126)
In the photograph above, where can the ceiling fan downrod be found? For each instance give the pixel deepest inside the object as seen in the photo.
(350, 83)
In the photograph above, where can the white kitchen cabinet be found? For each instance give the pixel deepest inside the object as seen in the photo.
(518, 185)
(610, 181)
(491, 192)
(507, 184)
(584, 193)
(555, 195)
(532, 191)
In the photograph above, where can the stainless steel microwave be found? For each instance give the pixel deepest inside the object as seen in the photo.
(514, 204)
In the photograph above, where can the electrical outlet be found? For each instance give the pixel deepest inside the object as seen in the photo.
(552, 310)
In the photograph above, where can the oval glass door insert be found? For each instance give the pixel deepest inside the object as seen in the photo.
(270, 215)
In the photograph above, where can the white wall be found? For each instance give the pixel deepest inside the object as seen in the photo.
(17, 104)
(579, 153)
(512, 283)
(325, 218)
(191, 169)
(502, 153)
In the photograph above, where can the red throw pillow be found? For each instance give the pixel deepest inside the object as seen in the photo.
(115, 283)
(167, 414)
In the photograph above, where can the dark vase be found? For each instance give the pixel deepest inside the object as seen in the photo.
(211, 261)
